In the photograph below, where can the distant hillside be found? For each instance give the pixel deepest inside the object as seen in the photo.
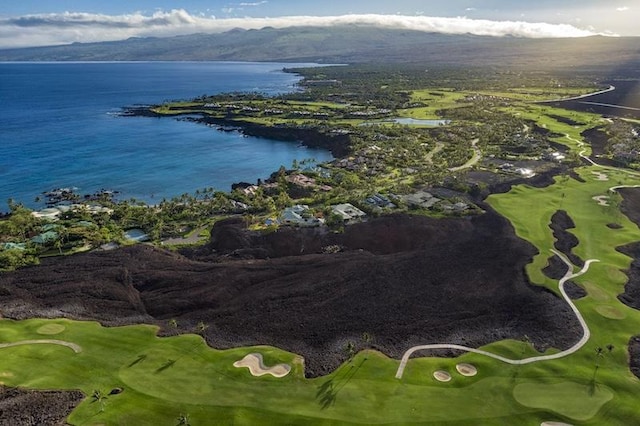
(348, 44)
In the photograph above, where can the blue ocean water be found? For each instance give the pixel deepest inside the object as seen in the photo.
(59, 127)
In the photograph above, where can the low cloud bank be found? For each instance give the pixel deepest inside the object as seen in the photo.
(68, 27)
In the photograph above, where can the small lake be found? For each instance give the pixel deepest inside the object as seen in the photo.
(409, 122)
(418, 122)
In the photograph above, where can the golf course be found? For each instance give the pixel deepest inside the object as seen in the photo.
(138, 375)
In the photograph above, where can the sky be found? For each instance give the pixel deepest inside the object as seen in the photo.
(26, 23)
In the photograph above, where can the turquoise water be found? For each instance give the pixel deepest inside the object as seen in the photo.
(59, 127)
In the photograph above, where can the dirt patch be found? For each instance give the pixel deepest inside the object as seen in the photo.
(565, 241)
(565, 120)
(20, 407)
(405, 280)
(555, 268)
(631, 295)
(614, 226)
(634, 355)
(630, 206)
(574, 291)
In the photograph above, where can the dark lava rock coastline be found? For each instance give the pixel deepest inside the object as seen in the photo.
(338, 144)
(405, 280)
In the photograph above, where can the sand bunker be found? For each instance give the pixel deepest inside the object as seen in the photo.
(256, 366)
(467, 370)
(442, 376)
(600, 176)
(601, 199)
(51, 329)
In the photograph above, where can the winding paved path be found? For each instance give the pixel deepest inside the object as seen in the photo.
(477, 155)
(429, 157)
(585, 335)
(72, 346)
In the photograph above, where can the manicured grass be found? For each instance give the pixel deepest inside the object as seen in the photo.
(570, 399)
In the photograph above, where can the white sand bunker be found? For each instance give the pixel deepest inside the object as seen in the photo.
(442, 376)
(467, 370)
(600, 176)
(601, 199)
(554, 424)
(255, 364)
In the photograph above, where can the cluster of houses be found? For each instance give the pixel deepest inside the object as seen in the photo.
(522, 171)
(297, 179)
(301, 215)
(52, 213)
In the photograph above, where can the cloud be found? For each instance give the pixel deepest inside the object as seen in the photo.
(258, 3)
(69, 27)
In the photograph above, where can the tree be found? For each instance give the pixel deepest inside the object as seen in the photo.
(99, 397)
(350, 349)
(173, 323)
(202, 327)
(183, 420)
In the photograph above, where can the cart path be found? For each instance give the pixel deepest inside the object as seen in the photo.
(72, 346)
(585, 329)
(477, 155)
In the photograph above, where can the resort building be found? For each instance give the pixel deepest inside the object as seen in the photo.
(299, 215)
(348, 212)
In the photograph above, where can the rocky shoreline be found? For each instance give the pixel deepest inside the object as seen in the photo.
(339, 144)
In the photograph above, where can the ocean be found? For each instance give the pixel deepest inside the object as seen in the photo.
(60, 127)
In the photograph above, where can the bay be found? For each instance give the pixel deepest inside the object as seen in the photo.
(59, 127)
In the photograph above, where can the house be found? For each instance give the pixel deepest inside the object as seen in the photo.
(45, 238)
(420, 199)
(380, 201)
(348, 212)
(299, 215)
(14, 246)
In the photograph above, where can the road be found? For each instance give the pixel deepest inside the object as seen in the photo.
(575, 98)
(477, 155)
(193, 238)
(585, 329)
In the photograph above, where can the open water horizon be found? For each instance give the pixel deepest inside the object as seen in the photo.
(59, 127)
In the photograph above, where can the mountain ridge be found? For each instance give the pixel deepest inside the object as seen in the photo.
(345, 44)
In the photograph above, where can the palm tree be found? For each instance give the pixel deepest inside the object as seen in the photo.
(173, 323)
(183, 420)
(100, 397)
(202, 327)
(350, 349)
